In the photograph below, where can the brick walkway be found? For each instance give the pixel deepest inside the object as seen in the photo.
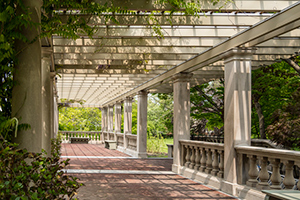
(111, 174)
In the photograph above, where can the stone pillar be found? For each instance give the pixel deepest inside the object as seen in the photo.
(142, 124)
(103, 122)
(127, 119)
(27, 93)
(52, 104)
(110, 120)
(55, 116)
(47, 92)
(237, 113)
(181, 127)
(118, 118)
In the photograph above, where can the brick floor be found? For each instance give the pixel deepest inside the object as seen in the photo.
(130, 186)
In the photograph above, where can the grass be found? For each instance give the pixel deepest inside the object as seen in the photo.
(158, 147)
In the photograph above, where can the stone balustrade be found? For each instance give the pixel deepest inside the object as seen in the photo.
(271, 164)
(132, 141)
(111, 136)
(92, 135)
(202, 156)
(120, 139)
(99, 136)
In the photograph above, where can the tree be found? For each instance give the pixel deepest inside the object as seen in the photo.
(160, 114)
(207, 106)
(79, 119)
(272, 87)
(285, 124)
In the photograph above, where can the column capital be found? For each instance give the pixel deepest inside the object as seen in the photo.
(46, 52)
(143, 92)
(128, 99)
(182, 77)
(239, 52)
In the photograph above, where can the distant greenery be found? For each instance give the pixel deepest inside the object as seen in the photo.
(79, 119)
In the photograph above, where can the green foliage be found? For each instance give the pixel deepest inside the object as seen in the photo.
(272, 86)
(26, 175)
(207, 105)
(77, 17)
(285, 123)
(155, 144)
(160, 114)
(79, 119)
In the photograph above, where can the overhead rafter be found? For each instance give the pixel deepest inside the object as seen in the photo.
(285, 21)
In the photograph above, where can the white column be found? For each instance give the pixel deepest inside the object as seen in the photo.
(55, 116)
(103, 122)
(181, 127)
(26, 95)
(46, 99)
(127, 119)
(237, 117)
(142, 124)
(110, 119)
(118, 118)
(52, 111)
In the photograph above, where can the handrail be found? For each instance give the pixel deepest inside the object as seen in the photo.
(270, 153)
(217, 146)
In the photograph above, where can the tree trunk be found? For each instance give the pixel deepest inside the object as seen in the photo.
(261, 119)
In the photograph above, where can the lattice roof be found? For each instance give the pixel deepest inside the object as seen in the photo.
(122, 59)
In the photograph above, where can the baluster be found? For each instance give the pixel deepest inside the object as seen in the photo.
(203, 160)
(253, 173)
(192, 159)
(298, 184)
(289, 180)
(221, 164)
(197, 158)
(187, 156)
(263, 175)
(215, 163)
(208, 162)
(275, 177)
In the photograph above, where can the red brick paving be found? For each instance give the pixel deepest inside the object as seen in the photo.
(121, 164)
(150, 187)
(89, 150)
(131, 186)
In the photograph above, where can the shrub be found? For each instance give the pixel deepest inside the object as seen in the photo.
(155, 144)
(26, 175)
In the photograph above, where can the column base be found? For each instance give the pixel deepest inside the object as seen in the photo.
(142, 155)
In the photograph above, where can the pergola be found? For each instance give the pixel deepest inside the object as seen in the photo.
(125, 59)
(122, 59)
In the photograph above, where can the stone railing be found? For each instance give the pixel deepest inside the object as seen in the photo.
(204, 157)
(220, 139)
(120, 139)
(132, 141)
(92, 135)
(207, 138)
(271, 164)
